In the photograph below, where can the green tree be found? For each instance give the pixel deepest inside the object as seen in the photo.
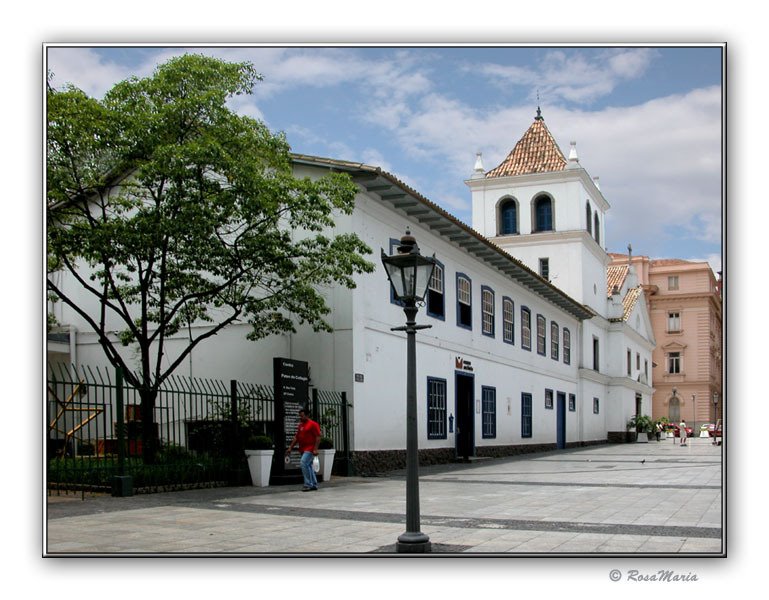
(168, 209)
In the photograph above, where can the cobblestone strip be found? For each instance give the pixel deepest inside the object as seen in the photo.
(474, 523)
(672, 485)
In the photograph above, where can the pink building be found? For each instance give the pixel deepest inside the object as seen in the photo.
(684, 301)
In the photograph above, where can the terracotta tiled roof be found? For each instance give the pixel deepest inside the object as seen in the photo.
(629, 301)
(615, 275)
(535, 152)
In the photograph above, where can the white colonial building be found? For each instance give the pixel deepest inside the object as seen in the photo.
(531, 345)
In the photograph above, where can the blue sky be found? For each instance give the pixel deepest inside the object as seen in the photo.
(647, 119)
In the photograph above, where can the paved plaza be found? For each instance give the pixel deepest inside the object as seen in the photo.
(617, 499)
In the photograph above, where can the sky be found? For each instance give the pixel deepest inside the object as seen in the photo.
(647, 119)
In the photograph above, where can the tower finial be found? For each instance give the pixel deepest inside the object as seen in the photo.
(539, 116)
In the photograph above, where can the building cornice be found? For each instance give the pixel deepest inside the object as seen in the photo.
(593, 375)
(550, 177)
(554, 237)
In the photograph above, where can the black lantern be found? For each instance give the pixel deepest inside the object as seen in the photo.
(408, 271)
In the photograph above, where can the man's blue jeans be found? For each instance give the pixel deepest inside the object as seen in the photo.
(310, 480)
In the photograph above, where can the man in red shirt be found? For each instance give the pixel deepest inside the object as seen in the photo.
(307, 438)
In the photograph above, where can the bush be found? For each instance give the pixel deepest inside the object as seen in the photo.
(259, 442)
(326, 443)
(642, 423)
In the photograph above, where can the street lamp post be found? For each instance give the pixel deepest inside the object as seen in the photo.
(409, 274)
(675, 399)
(694, 413)
(715, 406)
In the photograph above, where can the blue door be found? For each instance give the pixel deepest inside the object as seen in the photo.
(561, 420)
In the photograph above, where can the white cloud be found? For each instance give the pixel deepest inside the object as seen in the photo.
(84, 68)
(659, 162)
(575, 77)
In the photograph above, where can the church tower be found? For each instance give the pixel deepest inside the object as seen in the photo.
(545, 210)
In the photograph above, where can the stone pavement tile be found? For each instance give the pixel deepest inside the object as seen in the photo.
(701, 545)
(542, 542)
(661, 545)
(582, 543)
(622, 544)
(239, 519)
(503, 542)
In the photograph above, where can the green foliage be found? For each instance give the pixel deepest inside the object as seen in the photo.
(175, 467)
(329, 419)
(641, 423)
(326, 443)
(169, 210)
(259, 442)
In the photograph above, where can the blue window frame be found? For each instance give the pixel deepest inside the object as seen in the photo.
(549, 399)
(572, 402)
(488, 412)
(543, 210)
(487, 311)
(541, 335)
(508, 320)
(526, 429)
(525, 328)
(436, 293)
(464, 301)
(508, 217)
(555, 340)
(566, 346)
(436, 408)
(596, 406)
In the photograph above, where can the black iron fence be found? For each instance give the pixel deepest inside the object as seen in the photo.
(96, 431)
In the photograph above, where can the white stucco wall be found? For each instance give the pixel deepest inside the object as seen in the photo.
(363, 345)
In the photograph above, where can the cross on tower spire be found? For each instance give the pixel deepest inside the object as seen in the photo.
(539, 116)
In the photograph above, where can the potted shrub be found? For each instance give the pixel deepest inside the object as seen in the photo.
(259, 451)
(326, 453)
(643, 426)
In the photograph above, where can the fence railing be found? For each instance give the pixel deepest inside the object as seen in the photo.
(95, 429)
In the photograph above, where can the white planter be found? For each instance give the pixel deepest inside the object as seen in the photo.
(326, 463)
(642, 437)
(259, 465)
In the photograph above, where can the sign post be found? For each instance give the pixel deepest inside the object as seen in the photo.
(292, 386)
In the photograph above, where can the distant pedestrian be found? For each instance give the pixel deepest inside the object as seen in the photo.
(307, 438)
(682, 429)
(658, 431)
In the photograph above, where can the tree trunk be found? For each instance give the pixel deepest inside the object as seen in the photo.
(149, 429)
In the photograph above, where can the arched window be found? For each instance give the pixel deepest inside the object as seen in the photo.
(589, 215)
(674, 409)
(508, 217)
(543, 214)
(596, 226)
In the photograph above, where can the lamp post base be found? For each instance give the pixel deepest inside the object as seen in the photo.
(413, 543)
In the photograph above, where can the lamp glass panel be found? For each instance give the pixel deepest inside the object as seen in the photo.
(424, 272)
(395, 275)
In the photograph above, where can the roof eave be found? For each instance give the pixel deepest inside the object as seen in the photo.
(415, 206)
